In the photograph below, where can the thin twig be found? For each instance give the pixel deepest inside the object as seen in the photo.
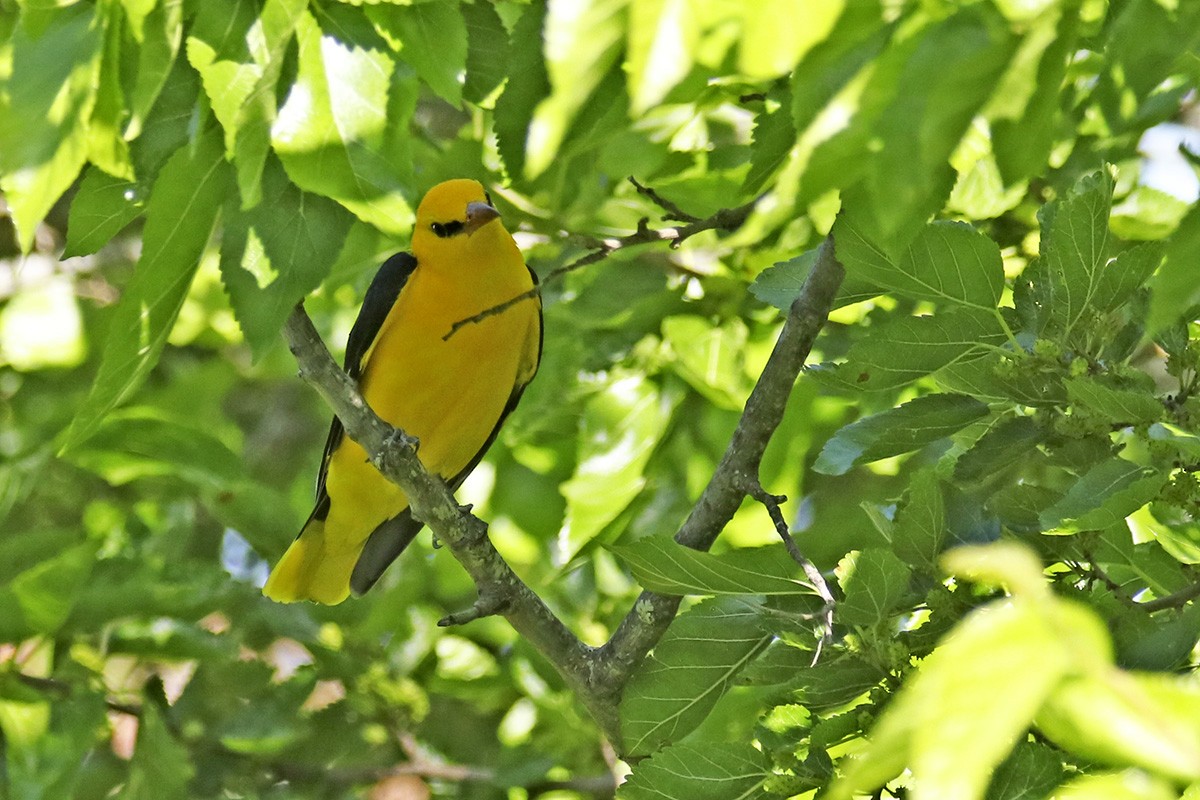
(673, 211)
(726, 219)
(64, 689)
(772, 503)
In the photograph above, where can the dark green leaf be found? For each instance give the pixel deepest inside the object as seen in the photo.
(179, 218)
(874, 581)
(1174, 287)
(858, 37)
(432, 39)
(661, 565)
(527, 84)
(774, 137)
(1004, 445)
(159, 36)
(161, 768)
(1074, 248)
(487, 51)
(1122, 276)
(900, 430)
(690, 668)
(47, 592)
(1029, 773)
(920, 525)
(1109, 492)
(276, 253)
(1121, 406)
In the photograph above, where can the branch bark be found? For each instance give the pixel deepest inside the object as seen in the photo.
(597, 676)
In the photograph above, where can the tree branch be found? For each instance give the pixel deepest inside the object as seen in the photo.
(597, 676)
(645, 624)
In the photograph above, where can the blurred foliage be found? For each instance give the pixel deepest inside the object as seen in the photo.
(1011, 362)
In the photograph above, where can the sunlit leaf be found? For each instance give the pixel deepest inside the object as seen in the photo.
(707, 771)
(688, 671)
(1105, 495)
(873, 581)
(664, 566)
(180, 215)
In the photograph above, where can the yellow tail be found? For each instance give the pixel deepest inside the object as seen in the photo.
(310, 571)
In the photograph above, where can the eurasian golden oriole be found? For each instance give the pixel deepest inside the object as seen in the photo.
(451, 393)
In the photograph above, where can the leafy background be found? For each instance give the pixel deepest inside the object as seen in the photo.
(1010, 364)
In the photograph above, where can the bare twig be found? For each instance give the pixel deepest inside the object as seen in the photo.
(673, 211)
(1174, 600)
(772, 502)
(63, 689)
(646, 622)
(726, 219)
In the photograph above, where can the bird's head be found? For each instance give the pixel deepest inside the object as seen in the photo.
(451, 215)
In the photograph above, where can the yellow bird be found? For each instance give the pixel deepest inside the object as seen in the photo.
(452, 394)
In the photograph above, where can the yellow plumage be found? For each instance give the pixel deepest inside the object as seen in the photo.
(451, 394)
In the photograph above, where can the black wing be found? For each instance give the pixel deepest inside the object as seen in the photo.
(381, 296)
(388, 541)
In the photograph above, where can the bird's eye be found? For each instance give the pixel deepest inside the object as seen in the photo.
(439, 230)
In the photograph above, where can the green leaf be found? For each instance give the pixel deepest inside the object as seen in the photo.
(708, 771)
(1174, 288)
(137, 443)
(711, 359)
(1074, 247)
(1029, 773)
(432, 39)
(239, 60)
(620, 428)
(1124, 406)
(661, 565)
(334, 133)
(835, 682)
(934, 83)
(1003, 446)
(487, 51)
(899, 430)
(904, 349)
(584, 40)
(689, 669)
(101, 209)
(1128, 785)
(158, 36)
(920, 525)
(947, 262)
(1128, 719)
(1125, 274)
(874, 581)
(179, 218)
(44, 106)
(161, 767)
(528, 83)
(276, 253)
(774, 138)
(1104, 496)
(660, 50)
(107, 148)
(47, 592)
(1185, 442)
(857, 37)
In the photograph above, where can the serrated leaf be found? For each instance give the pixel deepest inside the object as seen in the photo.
(835, 682)
(690, 668)
(661, 565)
(487, 51)
(1104, 496)
(1123, 406)
(1074, 247)
(902, 350)
(978, 377)
(856, 38)
(874, 582)
(708, 771)
(947, 262)
(44, 105)
(899, 430)
(179, 218)
(1125, 274)
(1001, 447)
(432, 39)
(528, 83)
(920, 525)
(774, 138)
(276, 253)
(1186, 442)
(101, 208)
(335, 135)
(158, 37)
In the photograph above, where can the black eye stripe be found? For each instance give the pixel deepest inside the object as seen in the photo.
(445, 230)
